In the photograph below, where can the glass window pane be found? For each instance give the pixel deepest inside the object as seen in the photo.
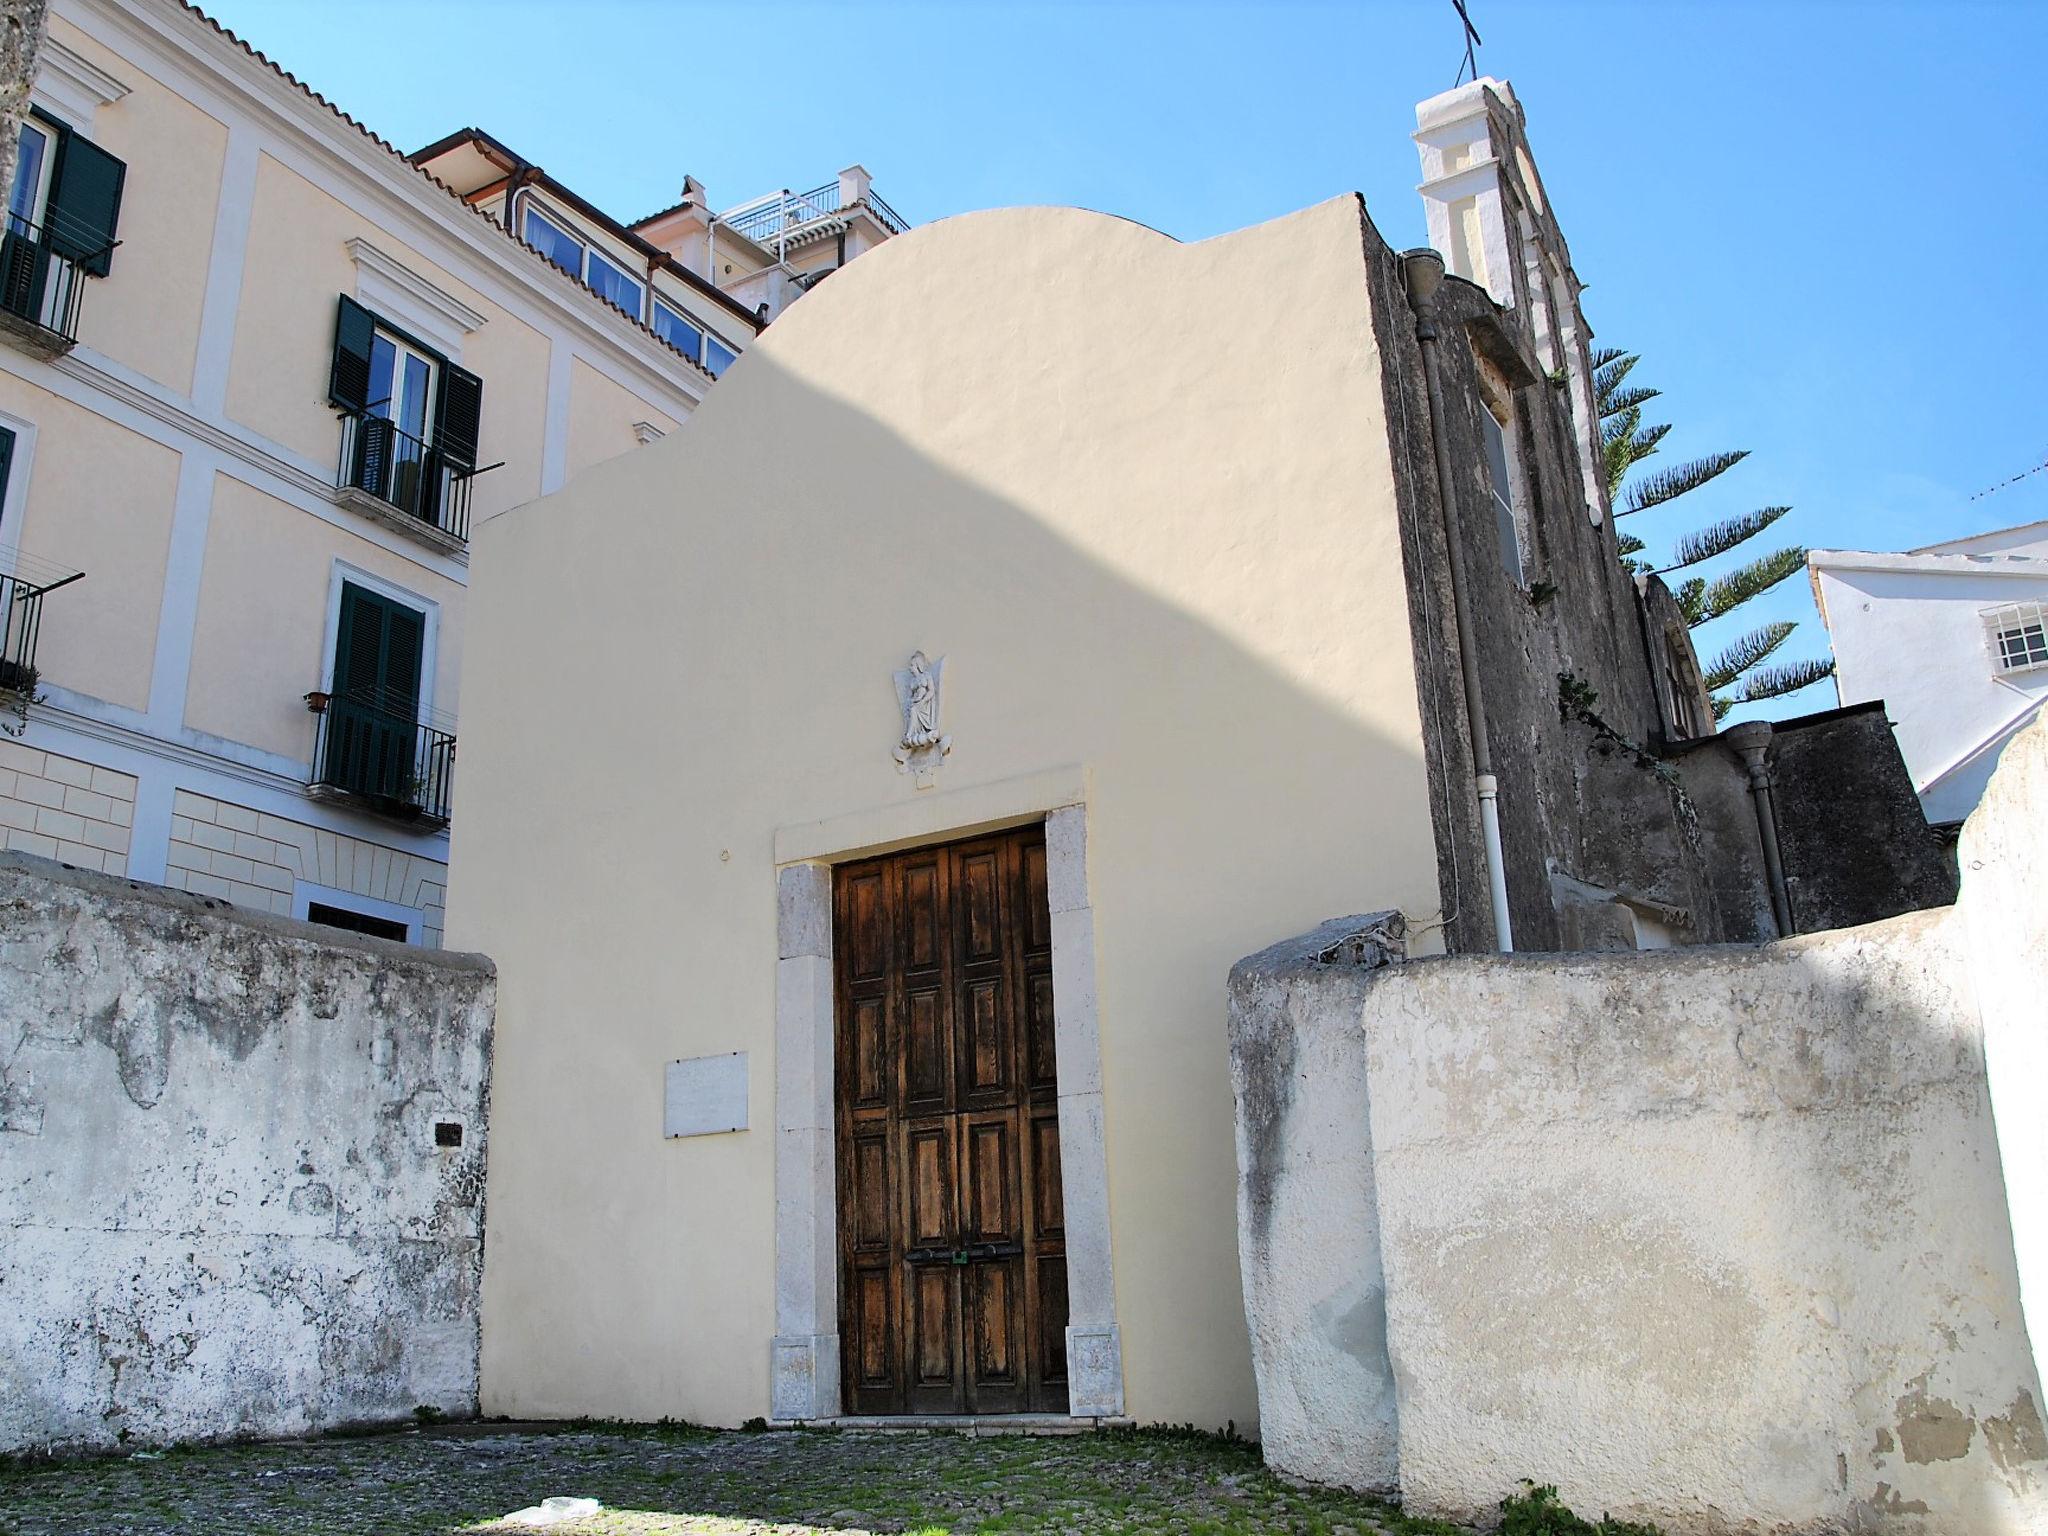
(678, 332)
(28, 174)
(383, 375)
(1502, 486)
(418, 377)
(556, 244)
(717, 355)
(614, 285)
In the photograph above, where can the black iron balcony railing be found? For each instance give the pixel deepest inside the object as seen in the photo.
(41, 280)
(405, 473)
(24, 581)
(382, 757)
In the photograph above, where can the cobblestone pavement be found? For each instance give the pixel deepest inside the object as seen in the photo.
(663, 1481)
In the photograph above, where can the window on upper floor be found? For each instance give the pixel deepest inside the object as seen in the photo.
(2018, 633)
(604, 276)
(376, 745)
(682, 334)
(554, 242)
(1497, 429)
(62, 213)
(410, 421)
(1685, 710)
(609, 281)
(691, 339)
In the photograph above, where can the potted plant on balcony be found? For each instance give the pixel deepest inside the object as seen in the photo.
(18, 681)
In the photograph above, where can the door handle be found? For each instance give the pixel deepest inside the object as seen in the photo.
(980, 1252)
(972, 1253)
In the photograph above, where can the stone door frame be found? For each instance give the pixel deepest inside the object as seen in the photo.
(804, 1355)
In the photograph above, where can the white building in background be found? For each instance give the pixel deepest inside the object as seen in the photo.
(1954, 639)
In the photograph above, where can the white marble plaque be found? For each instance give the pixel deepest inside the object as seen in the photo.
(705, 1096)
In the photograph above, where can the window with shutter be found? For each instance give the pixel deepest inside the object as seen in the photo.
(379, 647)
(416, 418)
(460, 418)
(84, 209)
(371, 741)
(348, 381)
(6, 472)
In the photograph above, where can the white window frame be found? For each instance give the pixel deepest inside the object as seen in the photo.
(1497, 401)
(707, 338)
(39, 204)
(403, 349)
(14, 506)
(589, 252)
(686, 318)
(354, 575)
(592, 256)
(2008, 618)
(305, 893)
(560, 227)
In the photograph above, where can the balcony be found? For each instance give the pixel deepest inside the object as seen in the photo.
(25, 580)
(40, 286)
(779, 219)
(403, 482)
(379, 758)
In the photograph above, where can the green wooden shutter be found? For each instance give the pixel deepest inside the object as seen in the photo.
(378, 650)
(459, 415)
(405, 638)
(348, 381)
(85, 203)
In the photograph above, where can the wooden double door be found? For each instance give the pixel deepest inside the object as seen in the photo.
(952, 1245)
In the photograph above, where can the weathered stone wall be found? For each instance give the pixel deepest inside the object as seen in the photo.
(1854, 838)
(223, 1206)
(1715, 1237)
(23, 24)
(1577, 809)
(1602, 806)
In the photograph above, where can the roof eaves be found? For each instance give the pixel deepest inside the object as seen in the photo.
(461, 135)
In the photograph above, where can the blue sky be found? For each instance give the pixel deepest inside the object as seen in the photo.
(1820, 223)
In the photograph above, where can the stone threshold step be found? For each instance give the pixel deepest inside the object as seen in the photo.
(972, 1425)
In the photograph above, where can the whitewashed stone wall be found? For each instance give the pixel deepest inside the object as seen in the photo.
(224, 1208)
(1716, 1237)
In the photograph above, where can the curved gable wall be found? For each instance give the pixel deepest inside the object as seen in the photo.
(1138, 494)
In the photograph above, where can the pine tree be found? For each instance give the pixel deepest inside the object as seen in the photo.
(1742, 672)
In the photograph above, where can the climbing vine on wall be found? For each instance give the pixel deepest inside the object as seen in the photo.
(1575, 700)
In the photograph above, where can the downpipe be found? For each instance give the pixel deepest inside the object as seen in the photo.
(1423, 272)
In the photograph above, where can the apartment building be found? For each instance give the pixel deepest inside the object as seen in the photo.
(261, 374)
(1953, 638)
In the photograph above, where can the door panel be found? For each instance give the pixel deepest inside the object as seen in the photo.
(951, 1245)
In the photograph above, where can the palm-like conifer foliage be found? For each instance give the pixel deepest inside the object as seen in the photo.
(1739, 674)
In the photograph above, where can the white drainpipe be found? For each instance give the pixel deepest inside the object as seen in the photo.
(1424, 272)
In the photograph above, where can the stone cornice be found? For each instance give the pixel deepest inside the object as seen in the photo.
(369, 258)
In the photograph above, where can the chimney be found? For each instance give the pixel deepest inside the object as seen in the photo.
(854, 183)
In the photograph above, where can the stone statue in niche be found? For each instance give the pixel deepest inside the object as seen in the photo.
(923, 745)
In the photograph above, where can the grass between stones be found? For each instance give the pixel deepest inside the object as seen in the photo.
(671, 1479)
